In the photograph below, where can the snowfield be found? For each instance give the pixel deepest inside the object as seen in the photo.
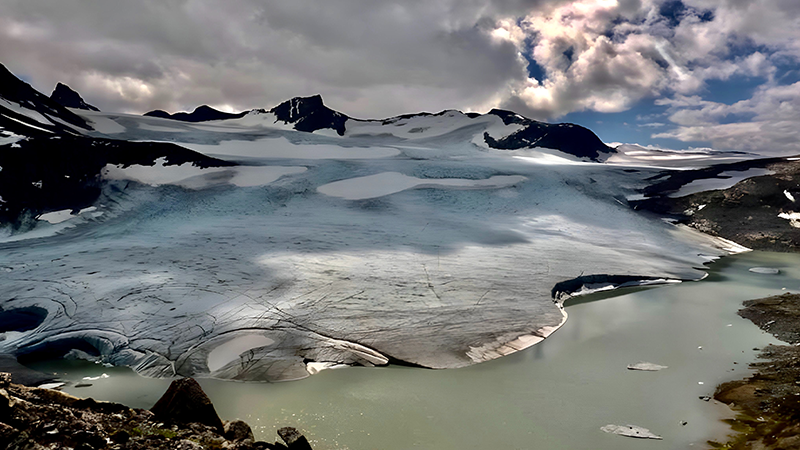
(406, 241)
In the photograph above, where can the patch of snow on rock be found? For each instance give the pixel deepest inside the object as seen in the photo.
(792, 217)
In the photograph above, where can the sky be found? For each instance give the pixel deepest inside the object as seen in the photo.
(677, 74)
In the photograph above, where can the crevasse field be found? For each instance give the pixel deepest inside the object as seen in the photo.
(403, 241)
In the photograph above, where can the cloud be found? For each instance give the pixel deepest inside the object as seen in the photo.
(765, 123)
(376, 59)
(366, 58)
(606, 55)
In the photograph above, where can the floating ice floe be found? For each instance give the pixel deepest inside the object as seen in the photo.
(646, 366)
(99, 377)
(631, 431)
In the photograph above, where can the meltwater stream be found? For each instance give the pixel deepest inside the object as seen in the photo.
(555, 395)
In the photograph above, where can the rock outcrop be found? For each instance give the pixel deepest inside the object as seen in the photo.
(66, 96)
(38, 419)
(756, 212)
(185, 402)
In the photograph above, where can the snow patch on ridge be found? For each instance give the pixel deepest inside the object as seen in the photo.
(192, 177)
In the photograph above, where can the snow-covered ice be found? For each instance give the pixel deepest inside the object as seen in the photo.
(293, 279)
(282, 148)
(386, 183)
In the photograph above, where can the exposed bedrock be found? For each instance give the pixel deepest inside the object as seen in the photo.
(759, 212)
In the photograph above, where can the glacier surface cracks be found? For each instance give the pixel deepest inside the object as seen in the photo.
(287, 280)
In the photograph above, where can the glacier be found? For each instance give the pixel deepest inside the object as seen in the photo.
(407, 241)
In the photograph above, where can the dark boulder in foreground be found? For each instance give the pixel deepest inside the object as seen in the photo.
(38, 419)
(185, 402)
(294, 439)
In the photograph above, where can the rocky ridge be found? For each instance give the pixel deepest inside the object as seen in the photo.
(66, 96)
(34, 418)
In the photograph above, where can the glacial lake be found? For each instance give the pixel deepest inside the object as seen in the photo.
(555, 395)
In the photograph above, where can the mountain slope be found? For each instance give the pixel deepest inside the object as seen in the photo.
(24, 110)
(47, 163)
(66, 96)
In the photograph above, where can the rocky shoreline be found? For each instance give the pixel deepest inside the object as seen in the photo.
(33, 418)
(768, 403)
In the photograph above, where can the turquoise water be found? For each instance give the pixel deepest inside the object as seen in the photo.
(555, 395)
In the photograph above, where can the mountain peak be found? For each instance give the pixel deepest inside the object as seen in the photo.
(66, 96)
(202, 113)
(310, 114)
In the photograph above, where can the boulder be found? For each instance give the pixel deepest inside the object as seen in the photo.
(238, 430)
(185, 402)
(294, 439)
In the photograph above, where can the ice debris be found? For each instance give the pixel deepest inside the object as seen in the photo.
(630, 431)
(646, 366)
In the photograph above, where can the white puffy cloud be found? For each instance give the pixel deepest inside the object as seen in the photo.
(766, 123)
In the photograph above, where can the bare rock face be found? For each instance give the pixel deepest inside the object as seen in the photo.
(39, 419)
(238, 430)
(294, 440)
(185, 402)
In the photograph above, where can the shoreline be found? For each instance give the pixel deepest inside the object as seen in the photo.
(35, 418)
(767, 404)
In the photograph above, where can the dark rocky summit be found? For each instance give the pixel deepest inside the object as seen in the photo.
(202, 113)
(37, 419)
(566, 137)
(66, 96)
(768, 403)
(18, 92)
(309, 114)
